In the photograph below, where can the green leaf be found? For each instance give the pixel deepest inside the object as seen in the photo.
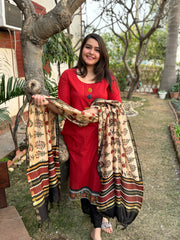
(11, 90)
(59, 49)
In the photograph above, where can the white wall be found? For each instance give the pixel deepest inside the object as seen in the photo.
(8, 67)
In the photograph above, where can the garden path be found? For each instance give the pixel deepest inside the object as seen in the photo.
(159, 217)
(6, 141)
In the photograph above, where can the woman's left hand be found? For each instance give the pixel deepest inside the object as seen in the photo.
(91, 110)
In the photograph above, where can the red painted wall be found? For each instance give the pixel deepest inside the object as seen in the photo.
(39, 9)
(5, 40)
(19, 55)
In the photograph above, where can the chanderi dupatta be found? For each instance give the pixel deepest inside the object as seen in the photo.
(119, 168)
(118, 165)
(43, 165)
(43, 168)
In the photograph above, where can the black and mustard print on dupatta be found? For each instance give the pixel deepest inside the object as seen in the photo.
(43, 155)
(43, 167)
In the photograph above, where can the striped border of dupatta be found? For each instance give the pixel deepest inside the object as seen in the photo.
(43, 165)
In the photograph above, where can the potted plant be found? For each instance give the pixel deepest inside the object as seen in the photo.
(155, 89)
(155, 78)
(174, 91)
(162, 94)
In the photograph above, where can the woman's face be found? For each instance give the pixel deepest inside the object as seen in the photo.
(91, 52)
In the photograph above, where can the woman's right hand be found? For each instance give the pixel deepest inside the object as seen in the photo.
(40, 99)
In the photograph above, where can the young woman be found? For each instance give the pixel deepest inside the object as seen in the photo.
(79, 87)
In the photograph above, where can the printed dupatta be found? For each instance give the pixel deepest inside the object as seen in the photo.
(43, 167)
(118, 164)
(43, 155)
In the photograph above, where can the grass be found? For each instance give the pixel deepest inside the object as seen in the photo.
(159, 218)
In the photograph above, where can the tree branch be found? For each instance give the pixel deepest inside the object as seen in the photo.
(26, 6)
(158, 17)
(41, 27)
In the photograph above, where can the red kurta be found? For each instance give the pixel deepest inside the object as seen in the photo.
(82, 142)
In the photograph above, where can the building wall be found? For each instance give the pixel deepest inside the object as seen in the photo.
(8, 66)
(48, 5)
(75, 27)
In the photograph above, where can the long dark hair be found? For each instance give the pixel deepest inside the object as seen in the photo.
(101, 69)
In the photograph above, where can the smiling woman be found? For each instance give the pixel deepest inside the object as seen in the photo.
(90, 56)
(78, 87)
(91, 52)
(104, 167)
(100, 158)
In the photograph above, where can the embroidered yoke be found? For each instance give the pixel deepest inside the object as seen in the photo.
(118, 165)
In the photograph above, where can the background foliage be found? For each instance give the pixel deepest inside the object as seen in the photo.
(59, 50)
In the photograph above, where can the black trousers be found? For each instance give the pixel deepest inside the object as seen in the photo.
(91, 210)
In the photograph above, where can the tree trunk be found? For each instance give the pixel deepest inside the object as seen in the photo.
(32, 56)
(35, 32)
(132, 87)
(169, 72)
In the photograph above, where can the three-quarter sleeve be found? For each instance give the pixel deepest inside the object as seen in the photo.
(64, 88)
(114, 93)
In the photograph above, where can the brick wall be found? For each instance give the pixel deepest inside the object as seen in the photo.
(5, 40)
(19, 55)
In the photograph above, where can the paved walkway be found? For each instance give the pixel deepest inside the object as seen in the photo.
(6, 141)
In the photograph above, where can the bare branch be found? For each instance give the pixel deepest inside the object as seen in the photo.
(73, 5)
(158, 17)
(129, 19)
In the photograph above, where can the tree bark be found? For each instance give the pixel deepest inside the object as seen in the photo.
(35, 32)
(169, 72)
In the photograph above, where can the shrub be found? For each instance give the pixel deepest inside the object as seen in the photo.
(120, 73)
(151, 74)
(177, 130)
